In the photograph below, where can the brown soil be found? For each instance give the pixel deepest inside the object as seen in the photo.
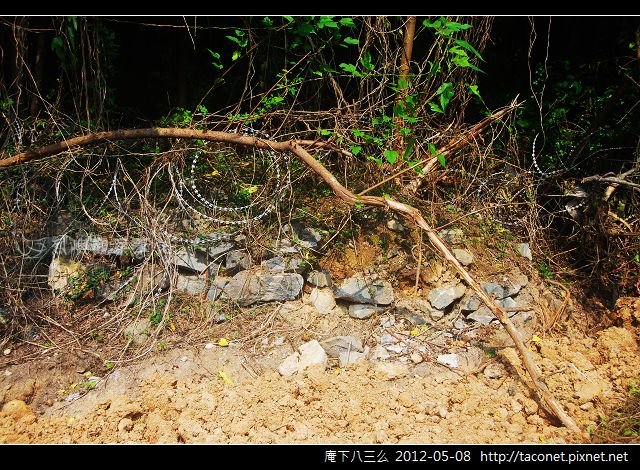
(181, 395)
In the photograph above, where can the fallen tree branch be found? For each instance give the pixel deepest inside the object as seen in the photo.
(408, 212)
(614, 180)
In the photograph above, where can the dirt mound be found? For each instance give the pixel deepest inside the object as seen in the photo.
(215, 395)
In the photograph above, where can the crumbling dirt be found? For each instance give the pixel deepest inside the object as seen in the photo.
(235, 395)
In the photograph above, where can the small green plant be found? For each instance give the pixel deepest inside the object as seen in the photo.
(545, 270)
(97, 336)
(91, 280)
(157, 313)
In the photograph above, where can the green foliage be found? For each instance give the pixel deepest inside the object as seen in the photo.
(241, 41)
(80, 285)
(157, 315)
(181, 117)
(573, 97)
(456, 56)
(545, 270)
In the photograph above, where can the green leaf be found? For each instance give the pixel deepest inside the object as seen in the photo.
(350, 68)
(289, 18)
(326, 22)
(433, 25)
(408, 150)
(215, 55)
(474, 91)
(235, 55)
(375, 159)
(366, 62)
(434, 68)
(355, 149)
(234, 39)
(267, 21)
(456, 50)
(399, 110)
(325, 132)
(440, 156)
(464, 62)
(347, 22)
(304, 29)
(468, 47)
(391, 156)
(352, 41)
(453, 27)
(446, 92)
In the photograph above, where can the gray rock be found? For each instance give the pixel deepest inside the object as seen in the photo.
(322, 299)
(436, 314)
(507, 288)
(495, 290)
(101, 246)
(190, 284)
(471, 303)
(515, 284)
(358, 289)
(248, 287)
(459, 324)
(218, 249)
(525, 323)
(308, 354)
(220, 318)
(395, 226)
(386, 338)
(303, 237)
(449, 360)
(340, 344)
(362, 311)
(280, 264)
(524, 250)
(465, 361)
(452, 236)
(379, 353)
(415, 319)
(138, 331)
(319, 279)
(508, 302)
(442, 297)
(464, 256)
(494, 370)
(191, 259)
(351, 357)
(236, 261)
(483, 315)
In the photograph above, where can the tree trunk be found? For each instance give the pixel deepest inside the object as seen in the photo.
(403, 81)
